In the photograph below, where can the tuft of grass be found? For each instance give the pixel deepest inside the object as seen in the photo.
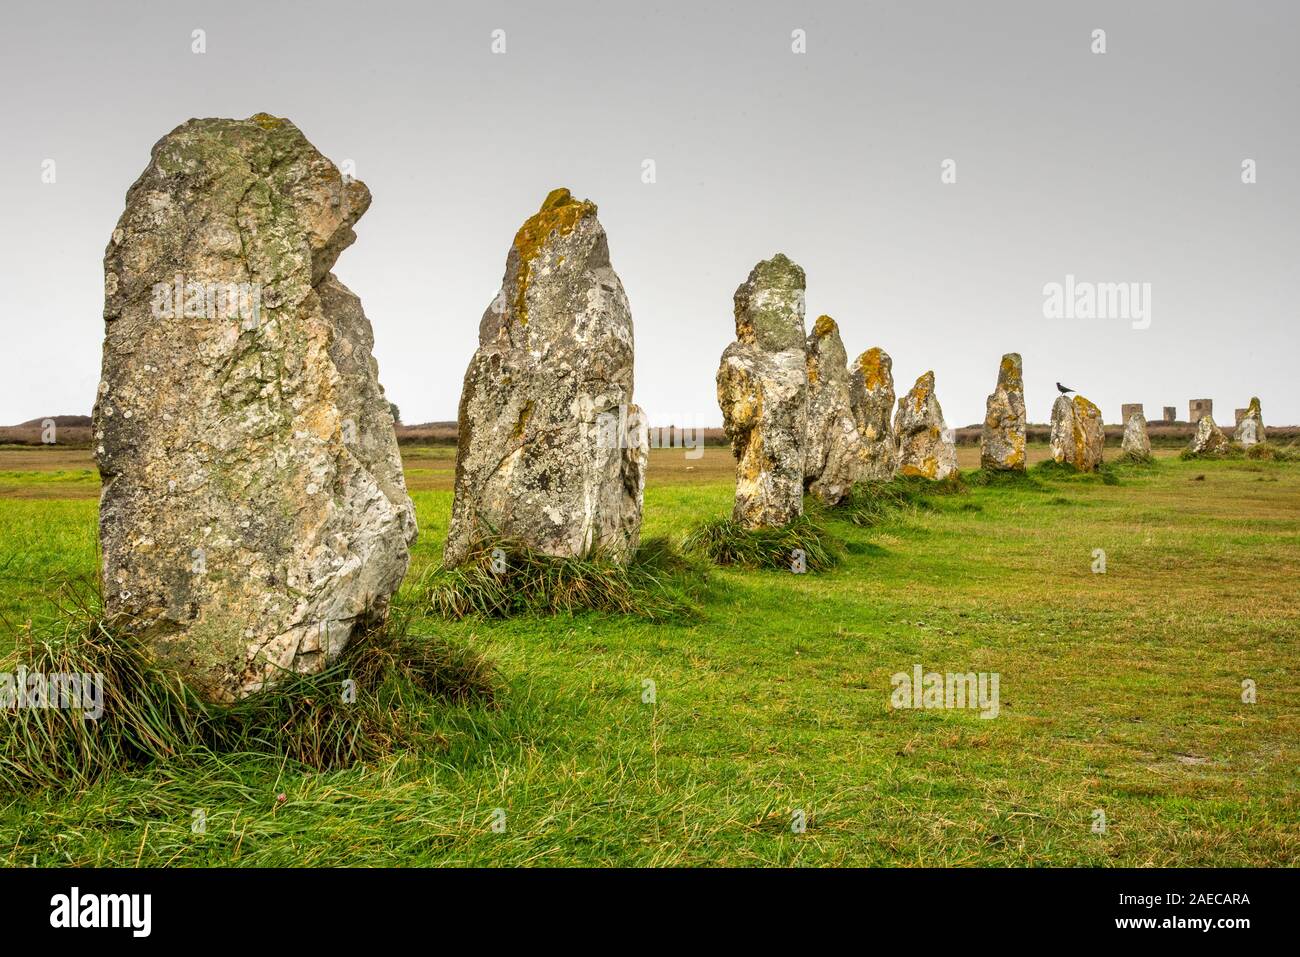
(726, 542)
(501, 579)
(1001, 478)
(870, 503)
(150, 715)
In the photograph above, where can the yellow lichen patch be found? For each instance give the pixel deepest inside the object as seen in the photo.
(921, 391)
(812, 370)
(824, 326)
(560, 214)
(266, 121)
(869, 362)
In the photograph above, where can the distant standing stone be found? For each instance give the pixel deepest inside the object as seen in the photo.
(1002, 440)
(763, 391)
(871, 393)
(1250, 430)
(552, 453)
(1136, 444)
(925, 445)
(1209, 438)
(253, 513)
(1077, 433)
(833, 454)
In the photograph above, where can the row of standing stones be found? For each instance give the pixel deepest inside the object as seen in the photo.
(254, 514)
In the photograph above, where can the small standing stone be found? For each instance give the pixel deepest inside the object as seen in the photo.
(925, 444)
(1002, 441)
(1209, 438)
(871, 392)
(1250, 430)
(763, 391)
(1077, 433)
(552, 451)
(1136, 444)
(833, 453)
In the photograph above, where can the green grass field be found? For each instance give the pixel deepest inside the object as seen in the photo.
(1119, 692)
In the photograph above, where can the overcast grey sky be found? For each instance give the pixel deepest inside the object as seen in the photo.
(1117, 167)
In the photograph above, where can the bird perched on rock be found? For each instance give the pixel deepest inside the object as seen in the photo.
(1063, 389)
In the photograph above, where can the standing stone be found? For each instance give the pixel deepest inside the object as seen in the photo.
(1077, 433)
(833, 453)
(1136, 444)
(1002, 441)
(1209, 438)
(763, 392)
(253, 513)
(925, 444)
(871, 393)
(1250, 430)
(552, 452)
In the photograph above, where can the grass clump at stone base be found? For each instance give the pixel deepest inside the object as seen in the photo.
(149, 715)
(870, 503)
(726, 542)
(1260, 452)
(501, 579)
(1051, 469)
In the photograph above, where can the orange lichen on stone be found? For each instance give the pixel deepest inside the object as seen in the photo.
(824, 326)
(560, 213)
(266, 121)
(921, 392)
(812, 370)
(869, 362)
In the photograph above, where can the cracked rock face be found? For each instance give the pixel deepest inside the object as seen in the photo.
(1002, 440)
(871, 394)
(1250, 430)
(833, 454)
(763, 391)
(1136, 443)
(253, 512)
(1077, 435)
(552, 452)
(926, 446)
(1209, 438)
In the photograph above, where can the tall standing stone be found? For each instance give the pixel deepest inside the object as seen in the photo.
(925, 444)
(871, 393)
(1002, 440)
(1077, 434)
(1250, 430)
(1136, 444)
(833, 453)
(253, 512)
(763, 391)
(1208, 438)
(552, 452)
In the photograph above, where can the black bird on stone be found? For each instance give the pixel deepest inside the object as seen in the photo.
(1063, 389)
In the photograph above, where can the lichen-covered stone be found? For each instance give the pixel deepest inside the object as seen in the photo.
(1136, 444)
(833, 452)
(1077, 434)
(1002, 440)
(1250, 430)
(1209, 438)
(763, 391)
(871, 395)
(926, 448)
(552, 451)
(253, 512)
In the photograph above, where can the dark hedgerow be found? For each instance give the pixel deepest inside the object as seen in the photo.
(363, 706)
(725, 542)
(502, 578)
